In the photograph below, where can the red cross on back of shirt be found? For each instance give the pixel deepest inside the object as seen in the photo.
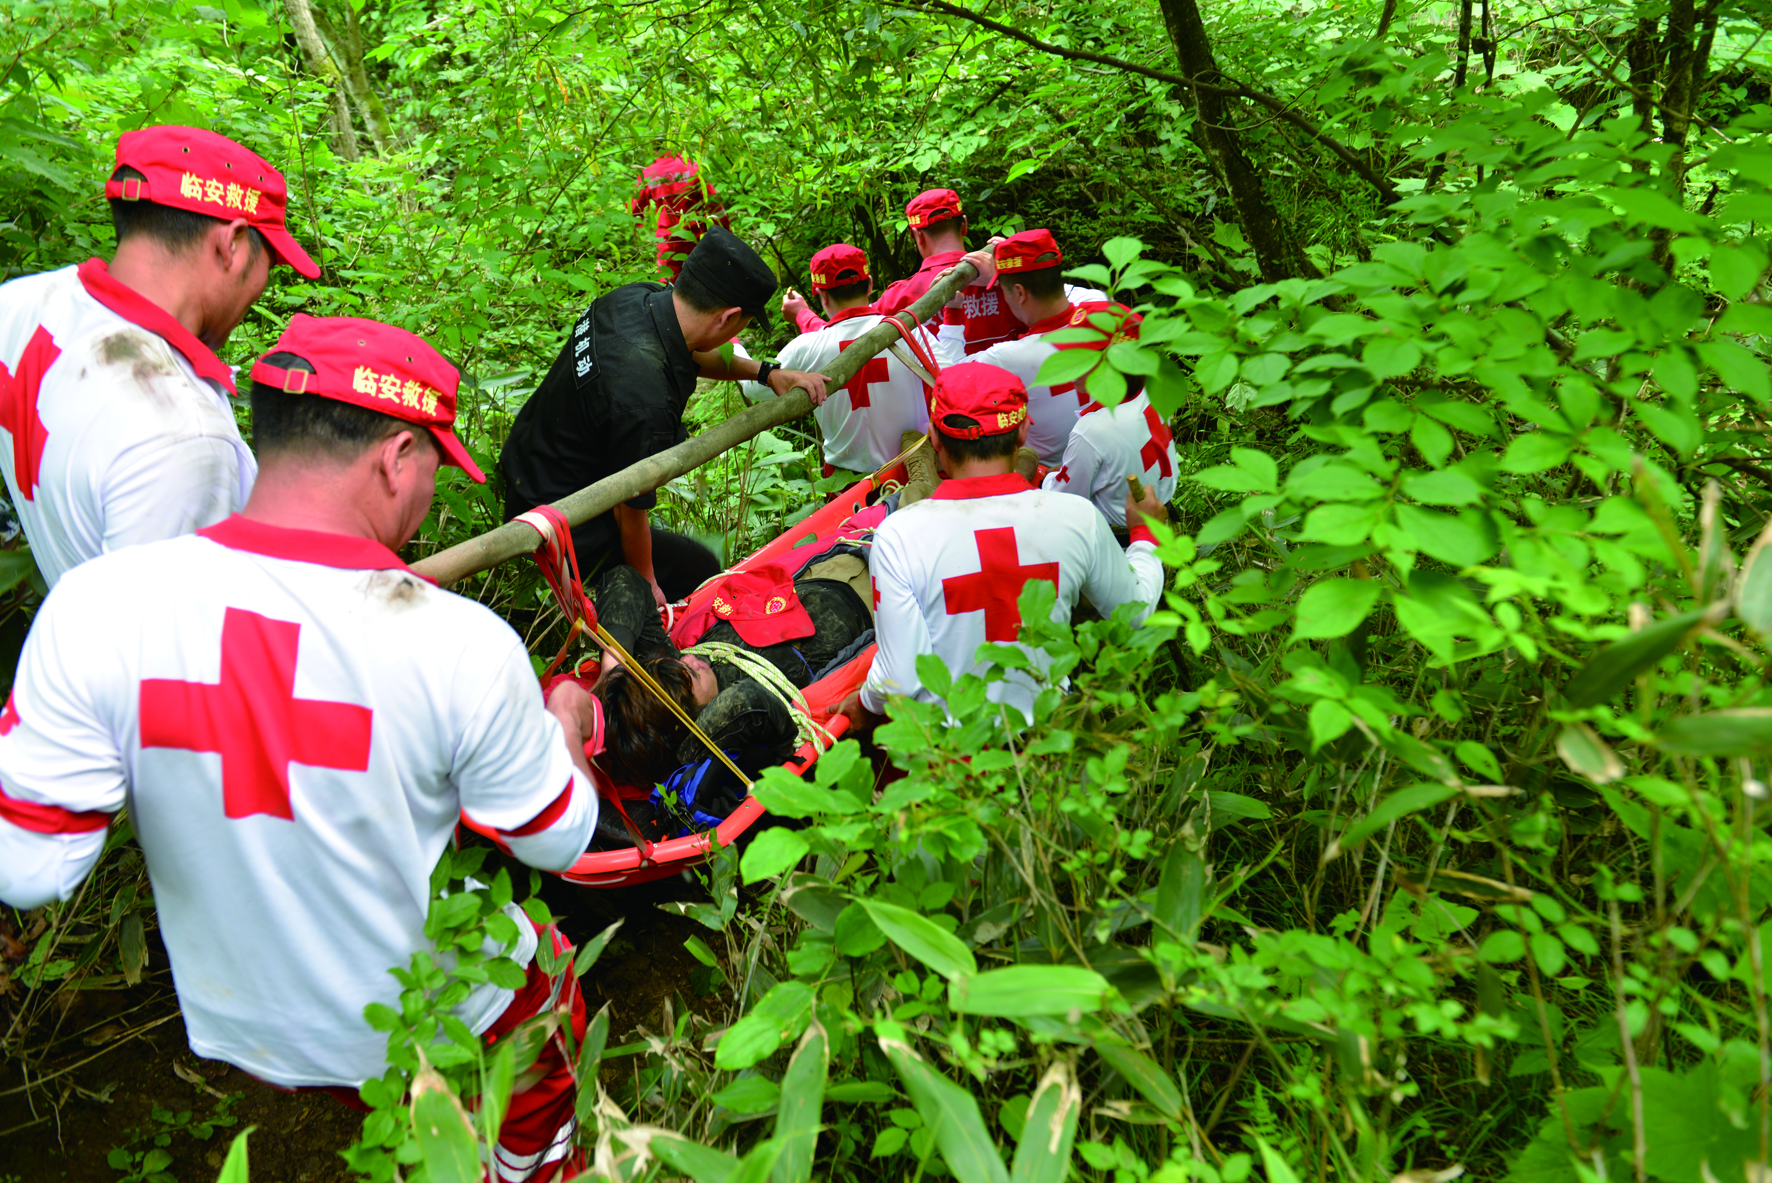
(872, 370)
(1156, 449)
(997, 586)
(253, 718)
(18, 409)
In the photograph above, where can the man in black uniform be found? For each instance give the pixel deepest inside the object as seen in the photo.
(616, 394)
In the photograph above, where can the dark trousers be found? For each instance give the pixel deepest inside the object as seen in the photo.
(680, 563)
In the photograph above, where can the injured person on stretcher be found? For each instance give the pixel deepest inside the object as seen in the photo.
(802, 617)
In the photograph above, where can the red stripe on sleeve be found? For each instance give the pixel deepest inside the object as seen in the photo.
(546, 817)
(50, 819)
(1142, 533)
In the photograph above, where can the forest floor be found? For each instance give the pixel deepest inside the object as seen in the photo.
(117, 1074)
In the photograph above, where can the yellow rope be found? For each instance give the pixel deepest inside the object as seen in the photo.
(647, 680)
(762, 671)
(898, 459)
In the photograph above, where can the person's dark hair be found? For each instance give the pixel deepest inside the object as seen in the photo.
(175, 229)
(989, 447)
(948, 226)
(849, 291)
(642, 734)
(313, 423)
(1044, 284)
(698, 295)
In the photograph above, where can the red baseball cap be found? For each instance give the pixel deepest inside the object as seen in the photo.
(376, 366)
(192, 169)
(989, 394)
(932, 206)
(838, 266)
(1031, 250)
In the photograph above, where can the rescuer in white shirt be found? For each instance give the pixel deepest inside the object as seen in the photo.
(948, 571)
(1109, 444)
(113, 404)
(864, 421)
(296, 723)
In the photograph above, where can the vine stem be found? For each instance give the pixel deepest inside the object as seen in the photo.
(1639, 1140)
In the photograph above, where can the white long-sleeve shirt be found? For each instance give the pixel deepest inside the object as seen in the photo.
(862, 421)
(948, 572)
(296, 723)
(115, 426)
(1109, 444)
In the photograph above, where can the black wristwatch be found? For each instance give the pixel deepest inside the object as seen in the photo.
(764, 369)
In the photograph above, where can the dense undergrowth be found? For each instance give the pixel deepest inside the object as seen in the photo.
(1423, 830)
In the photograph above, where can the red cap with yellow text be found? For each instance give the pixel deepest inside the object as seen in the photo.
(932, 206)
(1031, 250)
(991, 396)
(375, 366)
(839, 266)
(192, 169)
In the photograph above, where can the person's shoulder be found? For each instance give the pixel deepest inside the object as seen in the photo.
(29, 290)
(165, 563)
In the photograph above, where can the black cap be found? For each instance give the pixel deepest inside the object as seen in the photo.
(733, 272)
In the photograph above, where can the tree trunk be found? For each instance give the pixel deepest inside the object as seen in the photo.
(1679, 97)
(1385, 18)
(1277, 252)
(1461, 72)
(301, 18)
(1642, 55)
(349, 43)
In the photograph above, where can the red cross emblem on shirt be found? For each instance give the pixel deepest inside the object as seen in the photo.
(253, 718)
(18, 409)
(996, 587)
(1155, 452)
(872, 370)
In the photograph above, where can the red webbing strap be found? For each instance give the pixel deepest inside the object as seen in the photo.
(558, 560)
(916, 345)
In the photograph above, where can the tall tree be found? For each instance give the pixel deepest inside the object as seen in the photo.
(1277, 251)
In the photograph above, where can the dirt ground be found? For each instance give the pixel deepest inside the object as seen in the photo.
(116, 1058)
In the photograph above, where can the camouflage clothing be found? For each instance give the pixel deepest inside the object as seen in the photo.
(744, 716)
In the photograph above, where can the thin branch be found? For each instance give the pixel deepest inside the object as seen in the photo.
(1278, 106)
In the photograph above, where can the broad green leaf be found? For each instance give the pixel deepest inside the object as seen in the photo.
(1753, 587)
(1535, 451)
(1735, 270)
(749, 1094)
(1329, 721)
(1464, 540)
(1743, 731)
(856, 1092)
(1587, 754)
(1153, 1082)
(1048, 1128)
(802, 1105)
(236, 1169)
(1501, 946)
(1390, 357)
(1260, 464)
(919, 936)
(856, 934)
(1181, 892)
(949, 1112)
(1613, 668)
(1740, 368)
(443, 1131)
(1448, 486)
(1334, 608)
(593, 949)
(781, 1015)
(701, 1163)
(1277, 1168)
(1018, 991)
(773, 851)
(495, 1090)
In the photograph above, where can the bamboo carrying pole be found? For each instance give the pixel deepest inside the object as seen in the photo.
(513, 539)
